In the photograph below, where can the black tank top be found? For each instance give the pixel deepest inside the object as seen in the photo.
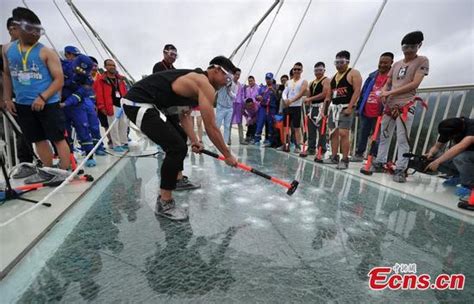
(316, 88)
(343, 89)
(156, 89)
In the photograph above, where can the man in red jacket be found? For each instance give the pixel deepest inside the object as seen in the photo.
(109, 89)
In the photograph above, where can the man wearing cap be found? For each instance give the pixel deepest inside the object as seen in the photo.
(267, 99)
(170, 54)
(148, 103)
(458, 161)
(398, 96)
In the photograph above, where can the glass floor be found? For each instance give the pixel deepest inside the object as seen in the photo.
(246, 241)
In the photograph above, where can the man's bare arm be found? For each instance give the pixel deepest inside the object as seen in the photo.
(356, 84)
(188, 127)
(206, 95)
(56, 71)
(456, 150)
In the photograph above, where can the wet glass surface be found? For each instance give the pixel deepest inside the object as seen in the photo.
(248, 242)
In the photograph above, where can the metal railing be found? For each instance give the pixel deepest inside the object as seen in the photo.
(443, 102)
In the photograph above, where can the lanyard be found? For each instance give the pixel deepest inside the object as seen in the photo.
(341, 76)
(316, 84)
(24, 60)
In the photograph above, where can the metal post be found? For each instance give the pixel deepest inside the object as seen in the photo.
(433, 116)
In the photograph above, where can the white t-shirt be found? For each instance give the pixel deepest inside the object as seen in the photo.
(292, 88)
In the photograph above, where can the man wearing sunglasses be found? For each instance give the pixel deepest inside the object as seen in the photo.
(345, 91)
(33, 72)
(318, 90)
(148, 105)
(398, 96)
(292, 100)
(170, 54)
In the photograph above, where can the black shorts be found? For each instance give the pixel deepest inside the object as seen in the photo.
(48, 124)
(295, 116)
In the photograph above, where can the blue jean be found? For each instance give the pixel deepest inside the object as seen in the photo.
(224, 116)
(367, 127)
(462, 165)
(264, 119)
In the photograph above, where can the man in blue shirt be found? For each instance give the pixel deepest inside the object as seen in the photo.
(33, 72)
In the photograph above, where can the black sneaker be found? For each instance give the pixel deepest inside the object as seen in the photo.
(185, 184)
(169, 210)
(377, 167)
(333, 160)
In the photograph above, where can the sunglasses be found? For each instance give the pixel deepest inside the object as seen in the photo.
(29, 28)
(341, 61)
(172, 53)
(297, 69)
(406, 47)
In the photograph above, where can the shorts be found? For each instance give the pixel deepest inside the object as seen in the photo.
(343, 122)
(295, 116)
(48, 124)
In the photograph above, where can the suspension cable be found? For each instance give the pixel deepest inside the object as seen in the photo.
(370, 31)
(265, 38)
(69, 25)
(89, 35)
(101, 41)
(246, 47)
(294, 36)
(46, 35)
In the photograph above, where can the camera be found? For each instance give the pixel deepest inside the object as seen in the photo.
(418, 163)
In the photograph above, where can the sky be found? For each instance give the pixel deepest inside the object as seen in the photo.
(136, 31)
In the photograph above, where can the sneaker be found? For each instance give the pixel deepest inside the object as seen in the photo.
(297, 149)
(24, 170)
(453, 181)
(357, 158)
(100, 152)
(267, 144)
(256, 142)
(185, 184)
(91, 163)
(399, 176)
(333, 160)
(45, 177)
(245, 143)
(462, 191)
(125, 147)
(376, 168)
(252, 141)
(169, 210)
(119, 149)
(343, 164)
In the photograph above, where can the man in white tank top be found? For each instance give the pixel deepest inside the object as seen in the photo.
(292, 100)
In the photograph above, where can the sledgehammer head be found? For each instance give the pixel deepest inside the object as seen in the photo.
(292, 189)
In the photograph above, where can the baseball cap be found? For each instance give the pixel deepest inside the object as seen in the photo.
(72, 50)
(269, 76)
